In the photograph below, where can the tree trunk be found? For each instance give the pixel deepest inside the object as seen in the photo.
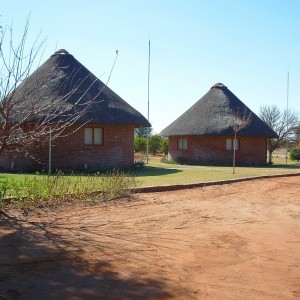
(233, 162)
(270, 157)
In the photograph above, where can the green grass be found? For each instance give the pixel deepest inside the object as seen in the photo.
(156, 173)
(33, 190)
(40, 187)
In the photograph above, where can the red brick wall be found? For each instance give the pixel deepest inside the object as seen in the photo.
(70, 153)
(212, 149)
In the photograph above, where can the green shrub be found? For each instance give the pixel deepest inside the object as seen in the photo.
(164, 159)
(140, 144)
(295, 154)
(154, 143)
(164, 145)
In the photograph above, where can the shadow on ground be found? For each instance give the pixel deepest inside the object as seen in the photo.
(296, 166)
(37, 264)
(155, 171)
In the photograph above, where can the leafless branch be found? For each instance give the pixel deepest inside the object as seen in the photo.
(238, 121)
(284, 123)
(26, 119)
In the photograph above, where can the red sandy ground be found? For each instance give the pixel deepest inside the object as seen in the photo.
(235, 241)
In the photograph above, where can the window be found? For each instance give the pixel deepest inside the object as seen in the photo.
(88, 136)
(93, 136)
(98, 136)
(232, 144)
(182, 144)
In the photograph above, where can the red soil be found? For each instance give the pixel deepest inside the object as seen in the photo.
(235, 241)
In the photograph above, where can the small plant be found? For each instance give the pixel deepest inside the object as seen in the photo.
(41, 189)
(164, 159)
(295, 154)
(3, 189)
(115, 184)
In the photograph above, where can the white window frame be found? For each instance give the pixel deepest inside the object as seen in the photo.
(93, 136)
(182, 143)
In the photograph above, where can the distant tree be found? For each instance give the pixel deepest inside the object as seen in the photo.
(283, 123)
(142, 132)
(237, 122)
(295, 154)
(297, 135)
(154, 143)
(140, 144)
(164, 145)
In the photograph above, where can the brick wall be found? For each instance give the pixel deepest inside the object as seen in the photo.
(71, 154)
(212, 150)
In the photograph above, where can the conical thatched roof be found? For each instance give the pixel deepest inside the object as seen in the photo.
(63, 77)
(212, 115)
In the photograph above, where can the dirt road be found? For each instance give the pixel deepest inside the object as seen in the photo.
(236, 241)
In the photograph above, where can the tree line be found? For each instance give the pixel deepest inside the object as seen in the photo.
(156, 144)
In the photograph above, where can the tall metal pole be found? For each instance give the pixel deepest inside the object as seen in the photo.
(287, 119)
(148, 98)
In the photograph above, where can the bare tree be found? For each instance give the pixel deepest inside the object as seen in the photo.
(25, 119)
(297, 136)
(238, 121)
(284, 123)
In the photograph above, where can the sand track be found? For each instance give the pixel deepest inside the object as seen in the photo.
(236, 241)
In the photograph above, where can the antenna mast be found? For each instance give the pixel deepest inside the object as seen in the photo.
(148, 131)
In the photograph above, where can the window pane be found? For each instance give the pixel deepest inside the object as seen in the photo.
(182, 144)
(179, 143)
(228, 144)
(88, 136)
(98, 136)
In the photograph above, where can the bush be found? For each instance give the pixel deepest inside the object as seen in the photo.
(164, 145)
(164, 159)
(295, 154)
(140, 144)
(154, 143)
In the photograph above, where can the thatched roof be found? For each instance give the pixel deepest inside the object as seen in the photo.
(63, 77)
(212, 115)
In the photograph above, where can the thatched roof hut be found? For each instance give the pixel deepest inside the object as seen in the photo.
(63, 77)
(211, 115)
(93, 126)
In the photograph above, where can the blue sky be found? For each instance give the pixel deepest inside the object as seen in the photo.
(247, 45)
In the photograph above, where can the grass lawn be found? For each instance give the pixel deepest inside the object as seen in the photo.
(157, 173)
